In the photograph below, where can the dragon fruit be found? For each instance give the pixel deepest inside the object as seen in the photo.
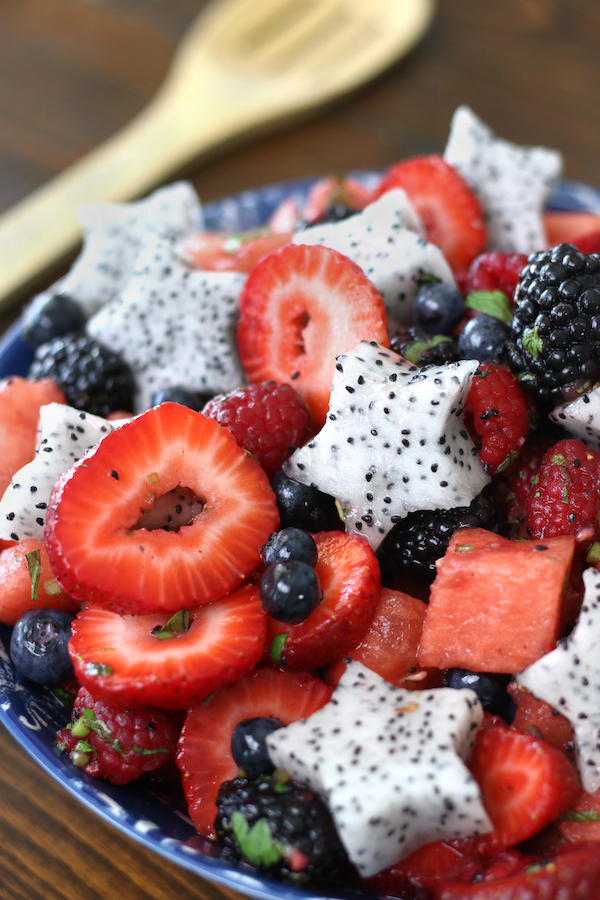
(114, 235)
(569, 679)
(394, 441)
(386, 241)
(64, 436)
(173, 326)
(511, 182)
(581, 418)
(390, 763)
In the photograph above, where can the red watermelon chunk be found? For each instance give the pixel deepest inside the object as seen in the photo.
(495, 604)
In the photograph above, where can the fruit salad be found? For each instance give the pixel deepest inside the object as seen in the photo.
(309, 516)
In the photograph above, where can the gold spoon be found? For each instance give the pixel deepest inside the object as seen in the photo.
(244, 66)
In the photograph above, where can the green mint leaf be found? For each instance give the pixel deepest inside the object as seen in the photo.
(532, 343)
(492, 303)
(256, 843)
(35, 567)
(180, 621)
(559, 460)
(81, 728)
(84, 747)
(143, 752)
(507, 462)
(276, 648)
(577, 815)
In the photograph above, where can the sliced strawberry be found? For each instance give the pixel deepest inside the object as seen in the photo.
(219, 251)
(564, 226)
(300, 308)
(97, 552)
(27, 582)
(20, 402)
(449, 210)
(135, 661)
(525, 783)
(204, 754)
(350, 580)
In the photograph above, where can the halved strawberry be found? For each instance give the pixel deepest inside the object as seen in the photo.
(566, 226)
(449, 209)
(350, 580)
(135, 661)
(97, 552)
(219, 251)
(525, 783)
(300, 308)
(204, 755)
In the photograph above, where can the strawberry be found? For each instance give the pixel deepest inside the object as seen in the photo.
(136, 661)
(20, 402)
(211, 251)
(450, 211)
(96, 550)
(525, 783)
(566, 226)
(300, 308)
(28, 582)
(350, 580)
(204, 754)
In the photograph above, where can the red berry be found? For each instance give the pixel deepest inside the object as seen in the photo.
(118, 745)
(204, 754)
(520, 482)
(229, 252)
(96, 550)
(448, 208)
(566, 496)
(495, 272)
(268, 420)
(300, 308)
(501, 417)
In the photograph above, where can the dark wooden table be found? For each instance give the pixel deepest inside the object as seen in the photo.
(73, 71)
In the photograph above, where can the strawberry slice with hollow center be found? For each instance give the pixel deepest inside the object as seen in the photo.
(135, 661)
(204, 754)
(100, 553)
(300, 308)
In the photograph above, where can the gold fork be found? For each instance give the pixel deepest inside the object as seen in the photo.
(245, 66)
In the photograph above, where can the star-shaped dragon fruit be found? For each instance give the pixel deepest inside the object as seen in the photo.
(114, 235)
(174, 326)
(394, 441)
(511, 182)
(390, 763)
(569, 679)
(386, 241)
(581, 418)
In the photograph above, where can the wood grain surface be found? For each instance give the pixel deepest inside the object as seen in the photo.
(74, 71)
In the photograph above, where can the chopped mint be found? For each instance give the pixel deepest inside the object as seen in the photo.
(35, 567)
(583, 815)
(507, 462)
(532, 343)
(491, 303)
(180, 621)
(81, 728)
(65, 698)
(256, 843)
(559, 460)
(277, 644)
(153, 478)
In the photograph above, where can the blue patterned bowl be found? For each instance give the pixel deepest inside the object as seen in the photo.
(147, 810)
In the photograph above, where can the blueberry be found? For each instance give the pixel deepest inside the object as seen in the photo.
(303, 506)
(438, 308)
(290, 591)
(484, 338)
(490, 687)
(51, 317)
(39, 646)
(290, 543)
(180, 395)
(248, 746)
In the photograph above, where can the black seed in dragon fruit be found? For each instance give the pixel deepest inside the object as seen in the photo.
(390, 764)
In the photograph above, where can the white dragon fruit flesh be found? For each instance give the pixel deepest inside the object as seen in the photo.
(581, 418)
(569, 679)
(386, 241)
(390, 764)
(394, 441)
(64, 436)
(511, 182)
(174, 326)
(114, 235)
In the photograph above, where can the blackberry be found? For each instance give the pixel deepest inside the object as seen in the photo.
(92, 377)
(556, 324)
(304, 843)
(424, 349)
(411, 548)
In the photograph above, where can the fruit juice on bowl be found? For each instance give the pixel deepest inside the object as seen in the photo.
(435, 520)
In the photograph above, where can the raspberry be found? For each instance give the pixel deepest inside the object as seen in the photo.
(267, 419)
(495, 272)
(519, 486)
(566, 499)
(115, 744)
(501, 416)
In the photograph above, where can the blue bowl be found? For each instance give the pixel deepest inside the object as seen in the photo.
(148, 810)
